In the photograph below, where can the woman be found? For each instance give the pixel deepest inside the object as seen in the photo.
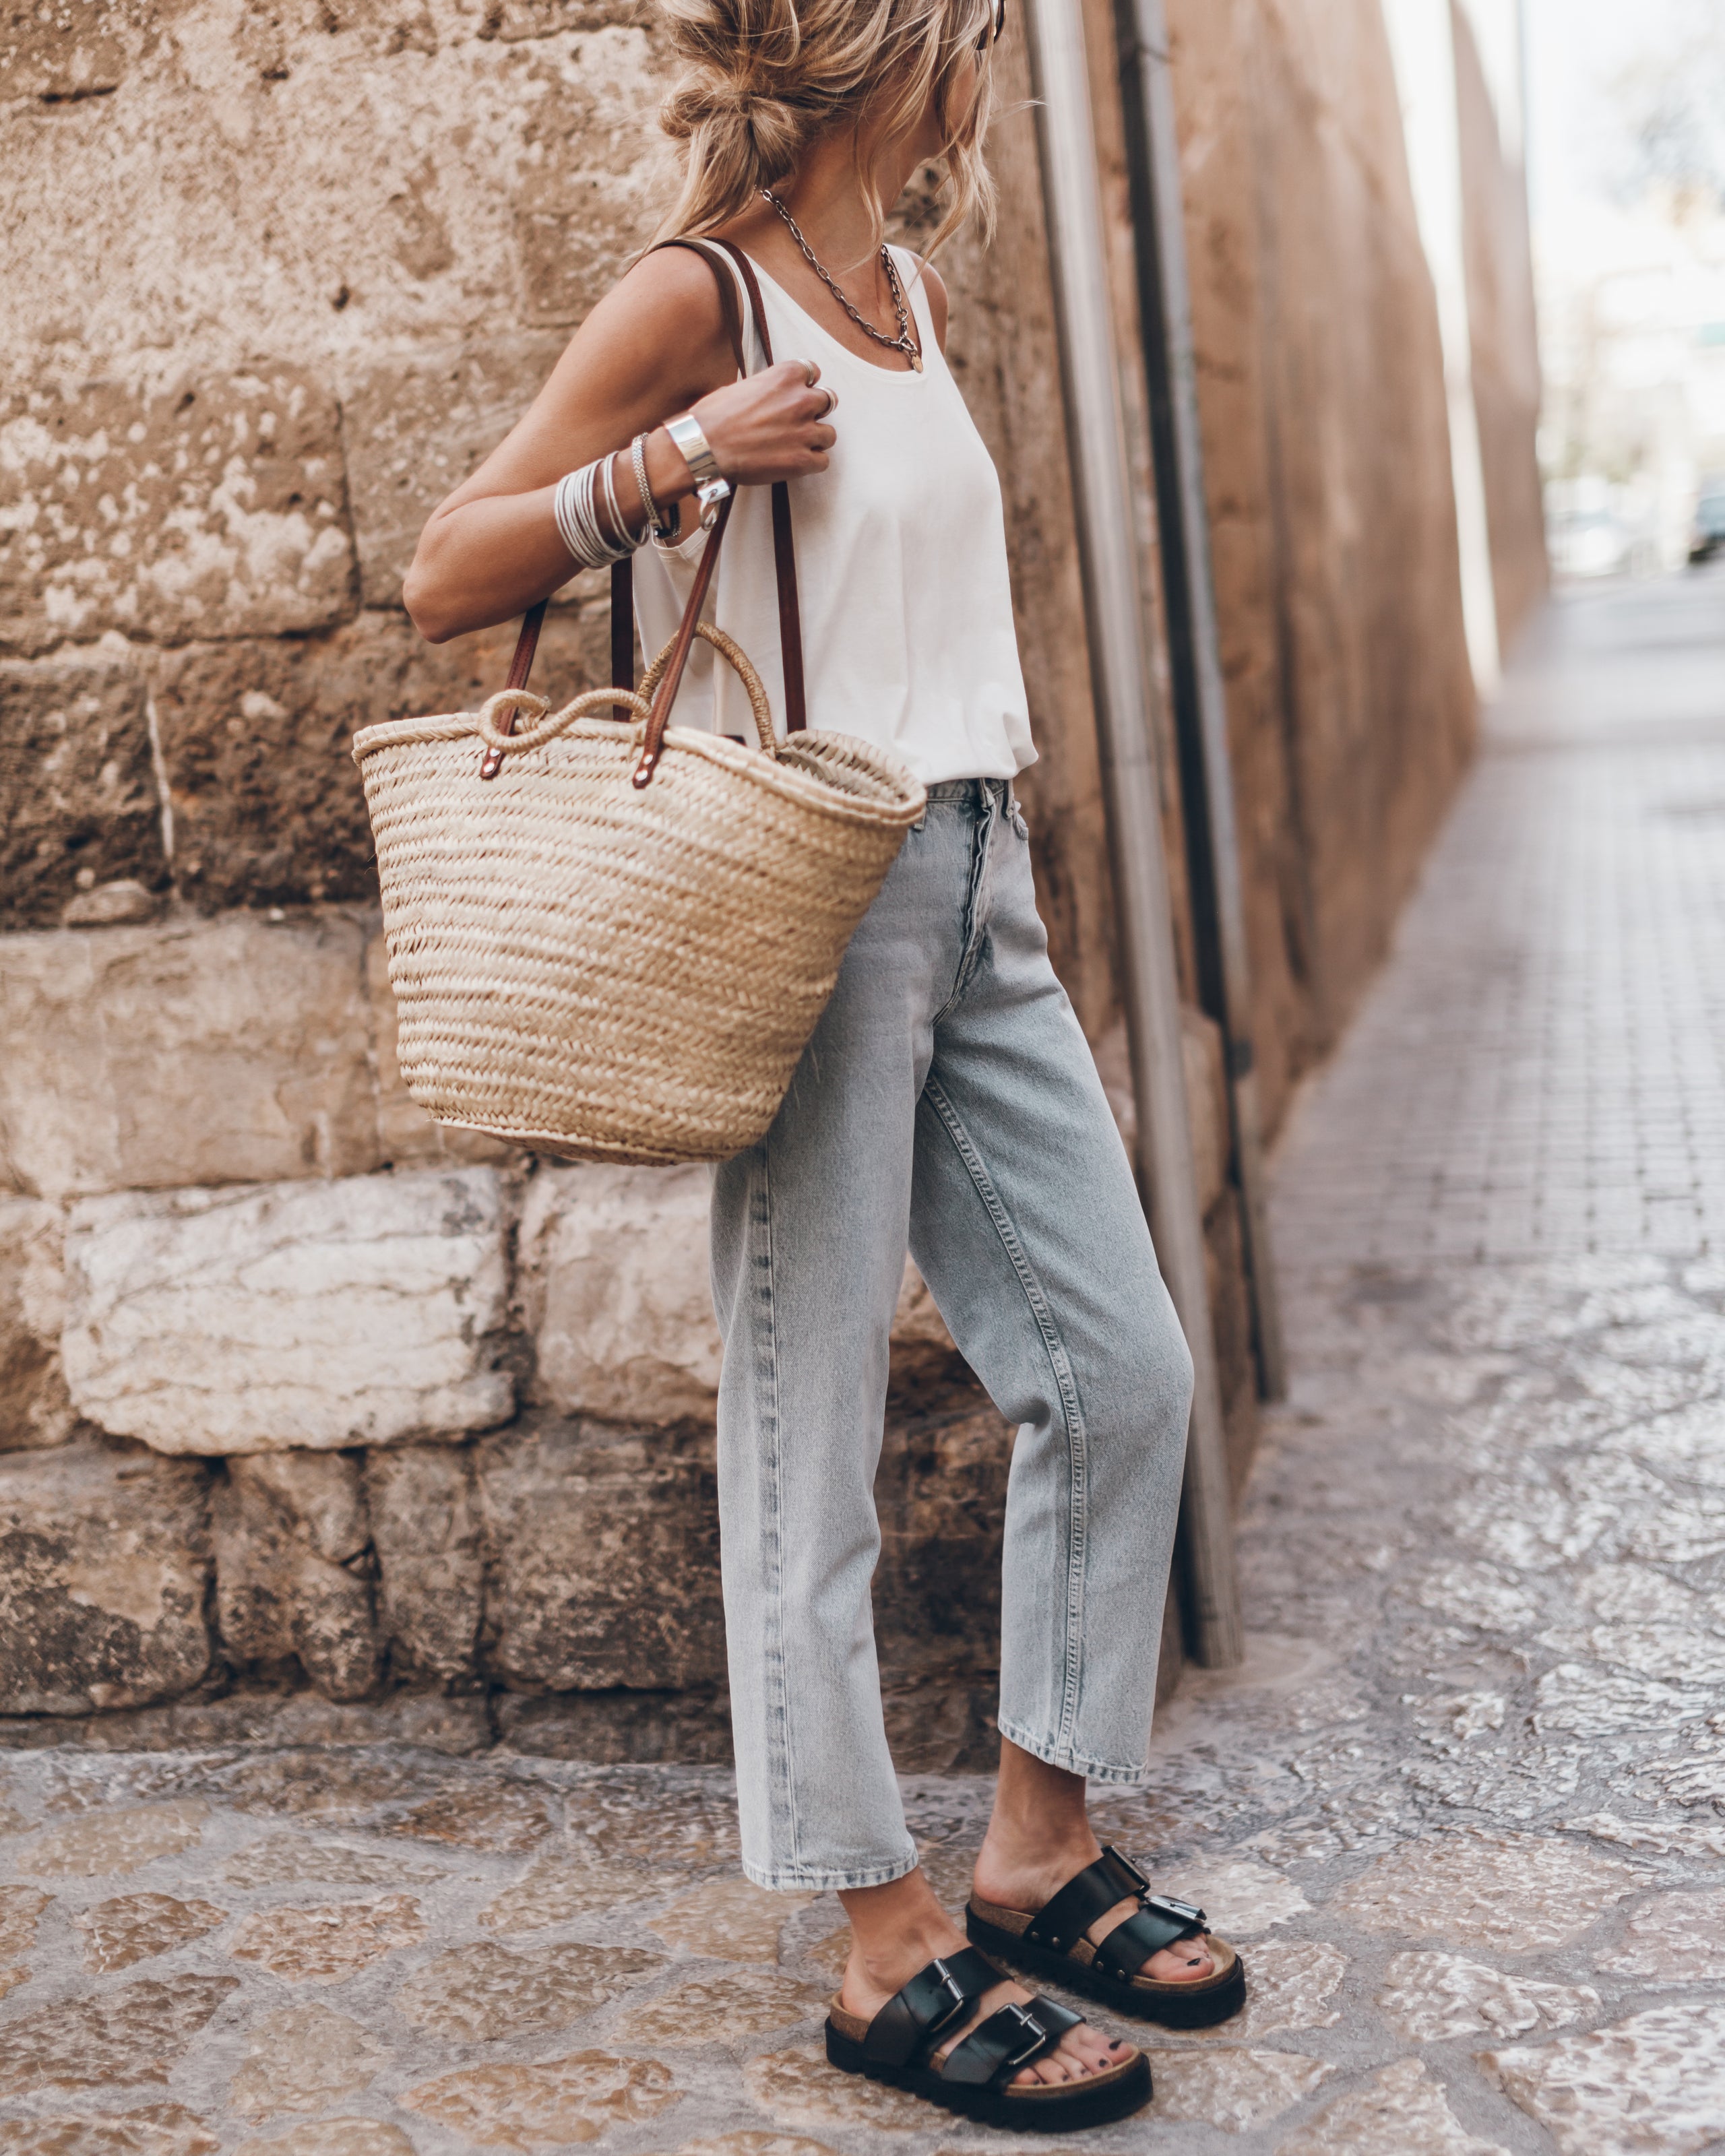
(947, 1100)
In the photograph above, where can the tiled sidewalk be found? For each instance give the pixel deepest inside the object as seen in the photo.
(1465, 1806)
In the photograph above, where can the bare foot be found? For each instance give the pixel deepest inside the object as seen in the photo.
(900, 1928)
(1039, 1838)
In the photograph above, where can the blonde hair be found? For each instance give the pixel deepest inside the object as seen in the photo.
(763, 80)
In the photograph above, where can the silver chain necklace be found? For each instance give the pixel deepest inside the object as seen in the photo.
(905, 342)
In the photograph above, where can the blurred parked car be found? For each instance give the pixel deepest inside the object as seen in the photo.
(1709, 537)
(1591, 542)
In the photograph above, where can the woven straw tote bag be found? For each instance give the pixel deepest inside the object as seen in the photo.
(612, 941)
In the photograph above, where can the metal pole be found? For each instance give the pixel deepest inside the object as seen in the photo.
(1121, 676)
(1200, 697)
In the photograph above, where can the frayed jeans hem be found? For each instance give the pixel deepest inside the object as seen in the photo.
(802, 1878)
(1073, 1763)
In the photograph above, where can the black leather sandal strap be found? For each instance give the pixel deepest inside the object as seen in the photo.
(1056, 2019)
(1008, 2038)
(1160, 1923)
(935, 1998)
(1061, 1922)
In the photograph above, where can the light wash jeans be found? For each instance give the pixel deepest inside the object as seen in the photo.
(947, 1101)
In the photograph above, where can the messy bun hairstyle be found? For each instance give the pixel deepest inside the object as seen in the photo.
(764, 78)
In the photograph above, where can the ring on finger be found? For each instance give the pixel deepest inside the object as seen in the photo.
(811, 372)
(832, 403)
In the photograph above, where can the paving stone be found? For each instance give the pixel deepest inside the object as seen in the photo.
(1289, 1986)
(571, 1881)
(547, 2104)
(135, 1928)
(478, 1993)
(798, 2088)
(745, 2143)
(134, 2033)
(426, 1526)
(689, 1824)
(111, 1032)
(289, 1859)
(1241, 1899)
(152, 2129)
(1655, 2083)
(19, 1908)
(730, 1919)
(35, 1409)
(333, 2137)
(292, 1535)
(78, 796)
(508, 1821)
(105, 1842)
(1430, 1997)
(313, 1315)
(105, 1569)
(590, 1525)
(210, 508)
(1512, 1893)
(722, 2009)
(1232, 2090)
(302, 2058)
(1676, 1938)
(328, 1945)
(1400, 2112)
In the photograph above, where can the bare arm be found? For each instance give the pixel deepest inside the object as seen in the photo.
(654, 347)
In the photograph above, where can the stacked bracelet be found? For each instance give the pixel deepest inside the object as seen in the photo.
(664, 529)
(576, 511)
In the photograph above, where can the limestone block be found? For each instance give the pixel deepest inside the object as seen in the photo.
(426, 1527)
(59, 53)
(293, 1569)
(604, 1559)
(104, 1567)
(205, 508)
(288, 1315)
(941, 1493)
(185, 1052)
(416, 425)
(78, 798)
(615, 1289)
(34, 1408)
(257, 737)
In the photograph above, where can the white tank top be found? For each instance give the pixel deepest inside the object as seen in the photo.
(908, 636)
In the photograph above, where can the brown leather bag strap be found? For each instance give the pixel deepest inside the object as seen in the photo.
(784, 550)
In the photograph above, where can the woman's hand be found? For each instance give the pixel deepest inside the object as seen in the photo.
(770, 426)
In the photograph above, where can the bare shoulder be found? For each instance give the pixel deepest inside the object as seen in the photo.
(932, 283)
(673, 288)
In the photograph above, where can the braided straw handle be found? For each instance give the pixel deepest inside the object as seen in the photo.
(727, 648)
(545, 728)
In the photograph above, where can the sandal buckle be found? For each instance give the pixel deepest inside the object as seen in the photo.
(1122, 1862)
(954, 1990)
(1036, 2038)
(1165, 1905)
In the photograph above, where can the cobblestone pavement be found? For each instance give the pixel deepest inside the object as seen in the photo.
(1465, 1806)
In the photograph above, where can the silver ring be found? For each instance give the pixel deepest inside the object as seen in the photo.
(810, 371)
(832, 404)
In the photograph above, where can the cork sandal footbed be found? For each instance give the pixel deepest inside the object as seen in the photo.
(1193, 2003)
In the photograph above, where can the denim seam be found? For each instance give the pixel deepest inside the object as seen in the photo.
(783, 1876)
(1071, 1414)
(1074, 1762)
(782, 1777)
(982, 843)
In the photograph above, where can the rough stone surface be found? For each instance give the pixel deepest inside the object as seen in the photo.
(208, 508)
(1678, 1939)
(795, 2087)
(329, 1944)
(35, 1409)
(301, 2058)
(479, 1992)
(425, 1525)
(1512, 1893)
(229, 1051)
(134, 2034)
(1654, 2082)
(104, 1565)
(78, 796)
(723, 2009)
(333, 2137)
(571, 1881)
(1233, 2089)
(1432, 1997)
(730, 1920)
(151, 2129)
(1400, 2112)
(135, 1928)
(548, 2104)
(116, 1839)
(293, 1568)
(294, 1315)
(606, 1556)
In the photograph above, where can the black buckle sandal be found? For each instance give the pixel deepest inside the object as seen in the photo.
(900, 2046)
(1050, 1941)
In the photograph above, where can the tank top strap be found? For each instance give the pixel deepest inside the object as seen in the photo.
(915, 286)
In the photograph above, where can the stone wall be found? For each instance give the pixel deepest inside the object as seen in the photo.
(1351, 707)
